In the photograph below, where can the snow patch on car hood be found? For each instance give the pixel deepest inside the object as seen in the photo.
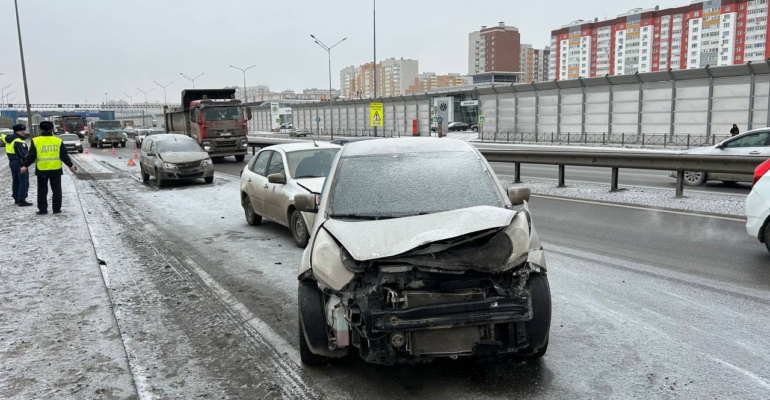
(313, 185)
(174, 158)
(368, 240)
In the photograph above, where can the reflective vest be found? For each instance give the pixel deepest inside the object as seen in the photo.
(47, 153)
(8, 146)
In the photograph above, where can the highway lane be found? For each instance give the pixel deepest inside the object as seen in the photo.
(646, 304)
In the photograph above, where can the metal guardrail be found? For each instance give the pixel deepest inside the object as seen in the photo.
(622, 139)
(607, 158)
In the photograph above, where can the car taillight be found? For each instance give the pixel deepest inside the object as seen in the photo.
(760, 171)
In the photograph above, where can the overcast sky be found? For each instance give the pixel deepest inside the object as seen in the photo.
(76, 50)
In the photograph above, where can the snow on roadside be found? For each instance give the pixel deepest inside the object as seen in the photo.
(722, 203)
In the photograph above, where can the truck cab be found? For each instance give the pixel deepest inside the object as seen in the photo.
(214, 119)
(106, 133)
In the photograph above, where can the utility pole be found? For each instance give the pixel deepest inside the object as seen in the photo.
(374, 40)
(165, 100)
(23, 67)
(331, 98)
(144, 110)
(191, 79)
(245, 95)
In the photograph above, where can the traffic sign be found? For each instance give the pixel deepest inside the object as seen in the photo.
(317, 119)
(482, 119)
(375, 114)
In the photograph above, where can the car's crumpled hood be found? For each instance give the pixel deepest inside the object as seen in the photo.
(175, 158)
(313, 185)
(369, 240)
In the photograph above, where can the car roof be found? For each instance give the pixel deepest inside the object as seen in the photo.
(169, 137)
(290, 147)
(406, 145)
(354, 139)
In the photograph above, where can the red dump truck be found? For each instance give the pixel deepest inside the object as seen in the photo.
(217, 121)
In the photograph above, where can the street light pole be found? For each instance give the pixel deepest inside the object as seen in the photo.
(245, 95)
(374, 40)
(129, 97)
(23, 67)
(165, 100)
(331, 98)
(144, 110)
(2, 91)
(191, 79)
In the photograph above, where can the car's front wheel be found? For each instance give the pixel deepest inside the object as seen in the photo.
(767, 236)
(240, 158)
(693, 178)
(123, 144)
(159, 179)
(145, 177)
(539, 327)
(209, 179)
(475, 129)
(299, 229)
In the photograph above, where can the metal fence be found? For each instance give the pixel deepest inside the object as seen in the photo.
(603, 139)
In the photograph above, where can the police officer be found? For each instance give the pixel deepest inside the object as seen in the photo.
(16, 148)
(48, 154)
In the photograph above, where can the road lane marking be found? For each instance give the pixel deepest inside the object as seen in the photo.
(642, 208)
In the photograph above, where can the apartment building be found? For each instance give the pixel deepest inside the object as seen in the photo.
(430, 80)
(534, 63)
(394, 76)
(703, 33)
(494, 49)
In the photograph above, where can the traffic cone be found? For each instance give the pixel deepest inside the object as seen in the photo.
(113, 149)
(87, 150)
(131, 162)
(135, 155)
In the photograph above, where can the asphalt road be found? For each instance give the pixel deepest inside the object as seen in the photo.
(646, 304)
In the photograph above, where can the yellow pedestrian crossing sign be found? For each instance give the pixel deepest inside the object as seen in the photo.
(375, 114)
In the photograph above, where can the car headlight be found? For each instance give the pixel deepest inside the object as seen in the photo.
(327, 264)
(518, 232)
(244, 142)
(78, 144)
(207, 162)
(104, 140)
(206, 143)
(168, 166)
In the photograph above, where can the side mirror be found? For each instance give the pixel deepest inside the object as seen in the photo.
(248, 113)
(150, 154)
(278, 179)
(306, 203)
(518, 195)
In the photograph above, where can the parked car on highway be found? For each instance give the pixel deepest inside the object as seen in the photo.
(71, 142)
(174, 157)
(758, 205)
(278, 173)
(341, 141)
(140, 134)
(409, 260)
(754, 143)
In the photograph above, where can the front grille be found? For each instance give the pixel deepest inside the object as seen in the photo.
(194, 164)
(226, 143)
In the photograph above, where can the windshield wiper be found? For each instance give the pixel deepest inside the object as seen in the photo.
(360, 217)
(308, 176)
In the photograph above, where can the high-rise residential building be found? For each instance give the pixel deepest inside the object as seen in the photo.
(703, 33)
(534, 63)
(494, 49)
(542, 60)
(394, 76)
(429, 81)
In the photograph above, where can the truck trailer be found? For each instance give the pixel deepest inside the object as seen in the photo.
(215, 119)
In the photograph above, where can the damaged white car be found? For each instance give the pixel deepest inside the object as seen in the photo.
(417, 253)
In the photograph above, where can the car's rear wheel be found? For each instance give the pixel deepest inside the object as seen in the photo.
(692, 178)
(475, 129)
(209, 179)
(539, 327)
(251, 217)
(240, 158)
(299, 229)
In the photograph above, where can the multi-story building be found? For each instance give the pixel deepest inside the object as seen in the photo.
(494, 49)
(394, 76)
(534, 63)
(703, 33)
(429, 81)
(263, 93)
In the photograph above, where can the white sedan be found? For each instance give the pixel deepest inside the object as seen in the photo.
(758, 205)
(753, 143)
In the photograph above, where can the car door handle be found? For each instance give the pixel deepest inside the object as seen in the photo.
(754, 152)
(249, 180)
(266, 186)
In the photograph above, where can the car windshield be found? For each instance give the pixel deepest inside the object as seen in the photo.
(184, 146)
(109, 124)
(398, 185)
(69, 138)
(150, 133)
(314, 163)
(222, 113)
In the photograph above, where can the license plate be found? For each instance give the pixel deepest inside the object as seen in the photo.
(226, 133)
